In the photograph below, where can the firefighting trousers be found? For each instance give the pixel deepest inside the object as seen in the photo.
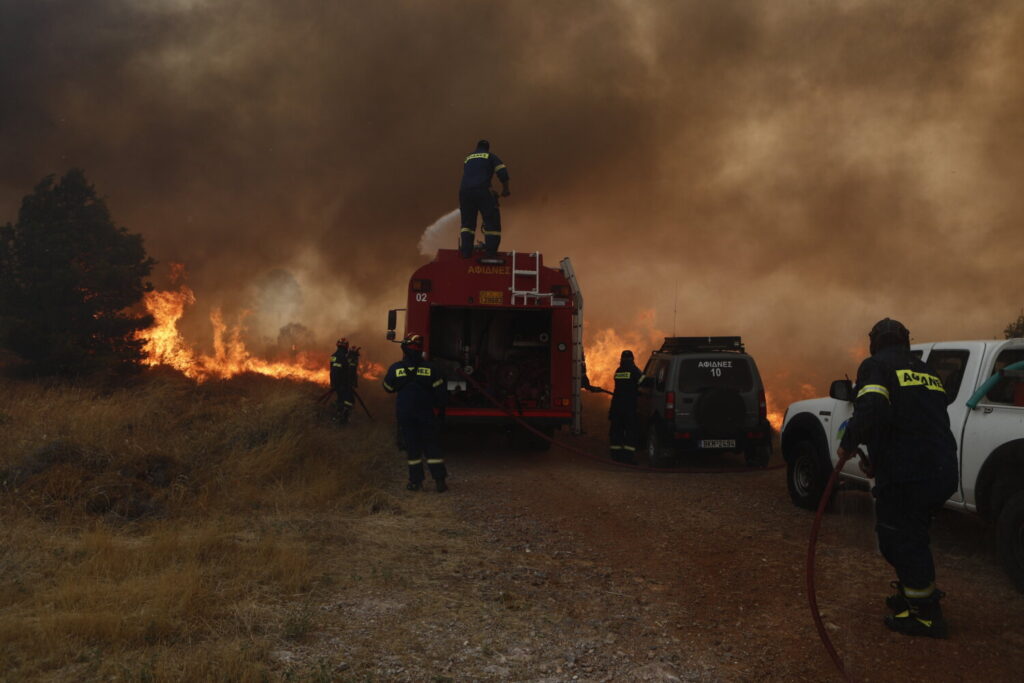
(346, 400)
(622, 433)
(479, 200)
(421, 437)
(903, 516)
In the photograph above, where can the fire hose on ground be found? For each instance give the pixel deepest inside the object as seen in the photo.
(582, 453)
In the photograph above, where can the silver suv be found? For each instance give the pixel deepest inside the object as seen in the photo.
(705, 395)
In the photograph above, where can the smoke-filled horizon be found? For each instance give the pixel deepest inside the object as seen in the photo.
(787, 172)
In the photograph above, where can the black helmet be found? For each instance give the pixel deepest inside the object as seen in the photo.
(888, 332)
(626, 355)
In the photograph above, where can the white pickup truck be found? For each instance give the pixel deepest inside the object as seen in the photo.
(989, 435)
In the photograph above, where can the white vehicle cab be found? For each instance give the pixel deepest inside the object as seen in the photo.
(984, 382)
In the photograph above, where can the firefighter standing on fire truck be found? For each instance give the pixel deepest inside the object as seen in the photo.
(420, 389)
(475, 196)
(622, 413)
(900, 414)
(343, 378)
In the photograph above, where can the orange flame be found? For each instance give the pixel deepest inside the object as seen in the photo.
(165, 345)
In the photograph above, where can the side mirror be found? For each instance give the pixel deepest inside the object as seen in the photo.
(841, 390)
(392, 319)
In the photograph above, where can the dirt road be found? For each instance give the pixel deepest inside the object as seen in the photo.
(701, 576)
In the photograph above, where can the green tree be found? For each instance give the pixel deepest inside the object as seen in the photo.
(1016, 328)
(71, 281)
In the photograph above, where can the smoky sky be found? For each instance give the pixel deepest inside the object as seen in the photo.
(791, 172)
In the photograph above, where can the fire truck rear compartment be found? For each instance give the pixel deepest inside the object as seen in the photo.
(506, 350)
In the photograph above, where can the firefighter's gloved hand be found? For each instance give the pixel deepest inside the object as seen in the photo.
(865, 464)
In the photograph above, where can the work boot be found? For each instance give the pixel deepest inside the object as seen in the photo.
(897, 602)
(441, 486)
(414, 486)
(923, 617)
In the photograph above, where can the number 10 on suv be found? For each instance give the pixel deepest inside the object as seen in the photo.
(705, 395)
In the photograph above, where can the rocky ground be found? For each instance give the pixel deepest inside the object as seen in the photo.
(549, 567)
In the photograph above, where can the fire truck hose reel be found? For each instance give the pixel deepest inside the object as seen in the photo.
(582, 453)
(812, 597)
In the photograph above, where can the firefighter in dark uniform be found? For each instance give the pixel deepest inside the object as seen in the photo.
(343, 379)
(622, 413)
(475, 196)
(420, 390)
(900, 414)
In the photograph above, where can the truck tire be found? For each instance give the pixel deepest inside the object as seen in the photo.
(1010, 538)
(804, 476)
(658, 454)
(758, 456)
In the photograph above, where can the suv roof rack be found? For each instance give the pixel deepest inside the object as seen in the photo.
(691, 344)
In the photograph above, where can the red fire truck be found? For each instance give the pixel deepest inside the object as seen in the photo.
(505, 330)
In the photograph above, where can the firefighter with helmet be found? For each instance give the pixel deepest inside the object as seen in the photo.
(420, 390)
(475, 196)
(343, 378)
(900, 415)
(622, 413)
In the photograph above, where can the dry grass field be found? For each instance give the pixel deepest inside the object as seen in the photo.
(168, 531)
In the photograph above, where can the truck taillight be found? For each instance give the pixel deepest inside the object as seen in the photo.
(762, 405)
(419, 285)
(670, 405)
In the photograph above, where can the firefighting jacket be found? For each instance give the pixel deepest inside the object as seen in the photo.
(478, 169)
(900, 414)
(628, 379)
(418, 386)
(342, 373)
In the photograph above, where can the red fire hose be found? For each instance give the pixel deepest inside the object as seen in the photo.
(812, 597)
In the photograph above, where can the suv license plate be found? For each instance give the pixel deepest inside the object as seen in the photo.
(718, 443)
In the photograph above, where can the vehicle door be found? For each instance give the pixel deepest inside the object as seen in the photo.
(999, 418)
(651, 396)
(953, 362)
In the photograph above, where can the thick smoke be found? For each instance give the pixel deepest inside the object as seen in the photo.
(800, 169)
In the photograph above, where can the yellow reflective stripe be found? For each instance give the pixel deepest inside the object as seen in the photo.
(642, 377)
(423, 372)
(479, 155)
(388, 387)
(903, 615)
(491, 232)
(349, 403)
(400, 372)
(919, 592)
(909, 378)
(873, 389)
(436, 461)
(630, 448)
(616, 448)
(415, 462)
(622, 375)
(438, 383)
(465, 229)
(499, 167)
(337, 365)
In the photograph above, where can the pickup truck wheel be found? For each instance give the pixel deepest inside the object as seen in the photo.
(804, 478)
(1010, 538)
(758, 456)
(658, 455)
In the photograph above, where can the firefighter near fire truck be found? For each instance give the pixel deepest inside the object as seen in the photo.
(419, 402)
(622, 433)
(476, 196)
(344, 363)
(900, 414)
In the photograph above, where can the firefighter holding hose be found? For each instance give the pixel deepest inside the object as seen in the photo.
(343, 378)
(622, 413)
(420, 390)
(900, 414)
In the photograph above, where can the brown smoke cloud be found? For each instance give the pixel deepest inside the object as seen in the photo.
(790, 172)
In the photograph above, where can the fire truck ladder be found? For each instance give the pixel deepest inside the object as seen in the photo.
(518, 272)
(577, 346)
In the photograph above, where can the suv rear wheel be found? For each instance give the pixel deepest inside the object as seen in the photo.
(758, 456)
(658, 455)
(804, 478)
